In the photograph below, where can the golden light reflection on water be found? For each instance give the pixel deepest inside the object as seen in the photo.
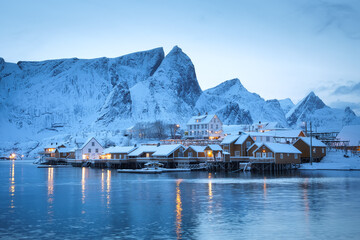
(210, 187)
(12, 185)
(178, 210)
(108, 188)
(265, 188)
(83, 186)
(102, 180)
(50, 191)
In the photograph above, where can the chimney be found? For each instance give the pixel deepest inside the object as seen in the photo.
(158, 145)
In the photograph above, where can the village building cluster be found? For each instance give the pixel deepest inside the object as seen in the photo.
(207, 141)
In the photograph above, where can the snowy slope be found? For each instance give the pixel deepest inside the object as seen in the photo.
(286, 104)
(236, 105)
(312, 108)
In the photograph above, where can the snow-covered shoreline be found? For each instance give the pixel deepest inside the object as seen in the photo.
(335, 161)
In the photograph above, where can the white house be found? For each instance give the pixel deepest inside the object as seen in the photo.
(91, 149)
(205, 126)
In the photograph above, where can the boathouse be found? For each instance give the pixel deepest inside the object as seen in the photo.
(68, 153)
(277, 153)
(213, 152)
(318, 149)
(143, 152)
(169, 152)
(194, 151)
(228, 144)
(91, 149)
(242, 144)
(118, 152)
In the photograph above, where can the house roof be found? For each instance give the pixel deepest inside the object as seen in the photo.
(279, 148)
(350, 133)
(215, 147)
(197, 148)
(229, 139)
(278, 133)
(166, 150)
(66, 150)
(254, 144)
(117, 149)
(242, 139)
(143, 149)
(315, 142)
(55, 145)
(203, 119)
(89, 139)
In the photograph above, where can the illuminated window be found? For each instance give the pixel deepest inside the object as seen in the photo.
(93, 144)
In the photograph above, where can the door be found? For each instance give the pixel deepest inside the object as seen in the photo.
(264, 154)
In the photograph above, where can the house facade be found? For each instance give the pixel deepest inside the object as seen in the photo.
(91, 149)
(206, 126)
(318, 148)
(195, 152)
(237, 145)
(118, 153)
(279, 153)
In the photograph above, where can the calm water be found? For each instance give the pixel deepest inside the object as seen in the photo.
(73, 203)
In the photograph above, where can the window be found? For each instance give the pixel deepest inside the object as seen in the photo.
(237, 153)
(323, 150)
(268, 139)
(92, 143)
(270, 154)
(314, 150)
(211, 126)
(89, 150)
(254, 138)
(217, 126)
(190, 127)
(190, 133)
(96, 150)
(190, 154)
(295, 156)
(258, 154)
(281, 156)
(248, 144)
(288, 154)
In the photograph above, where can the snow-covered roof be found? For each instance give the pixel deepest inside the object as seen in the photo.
(66, 150)
(235, 129)
(229, 139)
(166, 150)
(241, 139)
(142, 149)
(278, 133)
(197, 148)
(202, 119)
(117, 149)
(350, 133)
(55, 145)
(315, 142)
(215, 147)
(280, 148)
(87, 141)
(254, 144)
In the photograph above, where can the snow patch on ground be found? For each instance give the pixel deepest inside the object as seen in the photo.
(335, 161)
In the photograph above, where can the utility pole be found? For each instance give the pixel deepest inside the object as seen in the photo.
(311, 159)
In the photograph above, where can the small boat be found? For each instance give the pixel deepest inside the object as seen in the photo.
(150, 167)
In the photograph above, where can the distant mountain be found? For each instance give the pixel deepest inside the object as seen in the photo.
(286, 105)
(236, 105)
(313, 109)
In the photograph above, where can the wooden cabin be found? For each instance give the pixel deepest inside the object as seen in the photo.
(194, 152)
(169, 151)
(144, 151)
(49, 150)
(252, 148)
(279, 153)
(120, 153)
(214, 151)
(64, 153)
(91, 149)
(228, 144)
(242, 144)
(318, 149)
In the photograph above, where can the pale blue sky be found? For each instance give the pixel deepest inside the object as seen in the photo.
(277, 49)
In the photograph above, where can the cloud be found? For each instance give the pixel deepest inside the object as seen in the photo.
(346, 89)
(343, 104)
(342, 16)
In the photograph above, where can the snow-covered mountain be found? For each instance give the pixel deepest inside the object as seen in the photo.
(312, 108)
(67, 98)
(236, 105)
(286, 105)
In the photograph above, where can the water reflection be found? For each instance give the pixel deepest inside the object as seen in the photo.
(178, 210)
(210, 187)
(108, 188)
(264, 187)
(102, 180)
(83, 186)
(305, 198)
(12, 184)
(50, 192)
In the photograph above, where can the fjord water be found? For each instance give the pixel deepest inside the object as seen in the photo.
(70, 203)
